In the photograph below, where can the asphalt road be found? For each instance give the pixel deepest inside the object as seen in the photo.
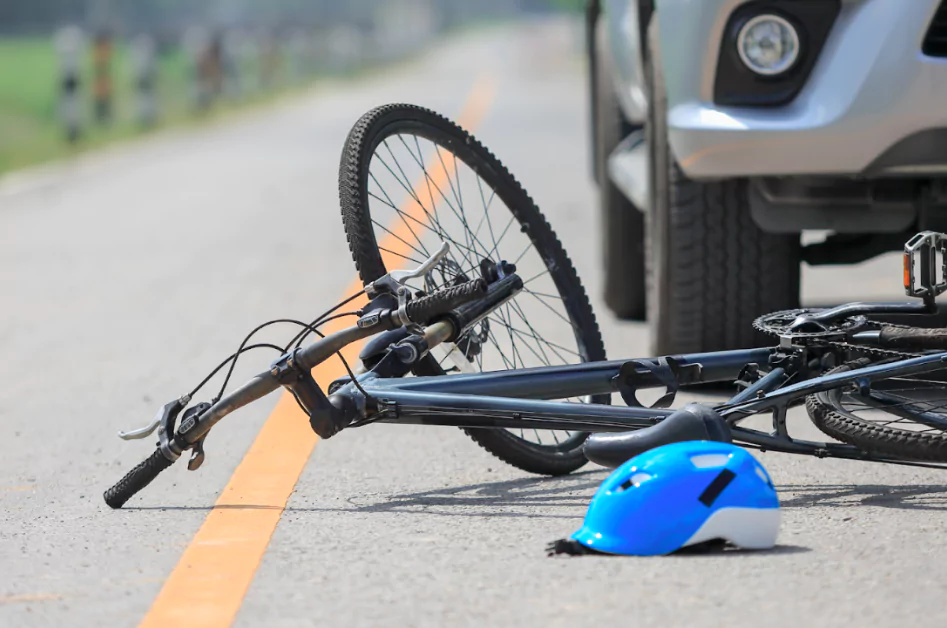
(126, 275)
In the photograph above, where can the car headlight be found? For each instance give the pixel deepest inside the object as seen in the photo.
(768, 45)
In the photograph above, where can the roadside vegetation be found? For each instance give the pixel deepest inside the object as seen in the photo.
(31, 128)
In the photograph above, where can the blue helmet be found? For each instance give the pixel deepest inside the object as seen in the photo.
(679, 495)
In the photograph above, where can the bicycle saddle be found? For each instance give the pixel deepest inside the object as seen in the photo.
(692, 422)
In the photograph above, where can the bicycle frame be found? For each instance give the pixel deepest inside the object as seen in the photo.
(519, 399)
(523, 398)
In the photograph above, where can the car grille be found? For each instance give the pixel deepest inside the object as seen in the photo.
(935, 42)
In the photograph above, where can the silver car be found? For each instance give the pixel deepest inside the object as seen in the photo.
(724, 128)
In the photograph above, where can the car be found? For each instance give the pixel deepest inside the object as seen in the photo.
(724, 129)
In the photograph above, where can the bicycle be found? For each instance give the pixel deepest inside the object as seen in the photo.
(467, 301)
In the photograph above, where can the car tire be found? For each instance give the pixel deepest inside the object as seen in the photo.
(711, 269)
(622, 223)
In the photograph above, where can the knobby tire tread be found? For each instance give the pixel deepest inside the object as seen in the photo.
(875, 439)
(353, 173)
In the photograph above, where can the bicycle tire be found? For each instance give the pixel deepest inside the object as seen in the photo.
(364, 139)
(827, 413)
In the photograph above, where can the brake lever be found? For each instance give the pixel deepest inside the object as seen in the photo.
(168, 409)
(396, 278)
(142, 432)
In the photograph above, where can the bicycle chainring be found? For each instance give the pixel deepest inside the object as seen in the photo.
(779, 324)
(834, 334)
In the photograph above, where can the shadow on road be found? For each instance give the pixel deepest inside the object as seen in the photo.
(511, 498)
(535, 497)
(919, 497)
(568, 496)
(717, 549)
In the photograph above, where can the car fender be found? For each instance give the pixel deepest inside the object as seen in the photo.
(623, 44)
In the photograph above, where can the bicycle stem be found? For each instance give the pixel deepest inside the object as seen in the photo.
(266, 382)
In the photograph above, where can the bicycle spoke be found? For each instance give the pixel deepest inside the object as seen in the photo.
(533, 332)
(437, 186)
(423, 254)
(908, 408)
(410, 259)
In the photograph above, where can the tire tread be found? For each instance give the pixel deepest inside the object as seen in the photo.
(353, 172)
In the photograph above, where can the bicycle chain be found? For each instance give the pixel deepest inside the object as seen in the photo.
(876, 351)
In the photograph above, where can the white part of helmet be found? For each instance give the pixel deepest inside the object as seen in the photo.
(748, 528)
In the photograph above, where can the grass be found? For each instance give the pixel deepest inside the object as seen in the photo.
(30, 127)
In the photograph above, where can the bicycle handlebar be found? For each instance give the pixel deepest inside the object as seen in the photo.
(420, 311)
(136, 479)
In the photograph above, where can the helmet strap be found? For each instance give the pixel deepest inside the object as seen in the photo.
(570, 547)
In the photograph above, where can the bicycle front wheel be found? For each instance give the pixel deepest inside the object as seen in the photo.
(411, 179)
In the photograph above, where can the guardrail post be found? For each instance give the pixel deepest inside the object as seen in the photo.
(143, 58)
(102, 72)
(70, 43)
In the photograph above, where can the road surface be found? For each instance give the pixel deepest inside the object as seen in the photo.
(125, 276)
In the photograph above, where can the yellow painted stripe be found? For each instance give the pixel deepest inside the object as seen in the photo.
(207, 587)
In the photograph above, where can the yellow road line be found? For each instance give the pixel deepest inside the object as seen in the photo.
(208, 585)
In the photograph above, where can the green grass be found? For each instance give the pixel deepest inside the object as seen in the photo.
(27, 101)
(30, 128)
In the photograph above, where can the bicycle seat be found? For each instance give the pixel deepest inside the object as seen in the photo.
(692, 422)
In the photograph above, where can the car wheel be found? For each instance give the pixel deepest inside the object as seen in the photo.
(711, 269)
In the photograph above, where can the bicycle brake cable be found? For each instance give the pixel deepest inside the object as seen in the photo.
(298, 339)
(233, 357)
(319, 320)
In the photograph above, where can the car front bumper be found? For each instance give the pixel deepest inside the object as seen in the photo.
(870, 89)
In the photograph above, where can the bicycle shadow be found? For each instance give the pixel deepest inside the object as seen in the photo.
(563, 497)
(567, 497)
(521, 497)
(901, 497)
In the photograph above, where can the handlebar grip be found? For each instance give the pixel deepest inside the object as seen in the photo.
(443, 301)
(136, 479)
(913, 339)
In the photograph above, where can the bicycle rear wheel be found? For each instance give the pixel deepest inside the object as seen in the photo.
(901, 417)
(410, 179)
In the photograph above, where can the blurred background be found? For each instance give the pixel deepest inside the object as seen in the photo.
(76, 74)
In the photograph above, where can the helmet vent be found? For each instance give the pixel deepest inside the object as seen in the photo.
(634, 480)
(707, 461)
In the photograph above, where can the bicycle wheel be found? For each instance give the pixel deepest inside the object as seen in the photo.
(410, 179)
(902, 417)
